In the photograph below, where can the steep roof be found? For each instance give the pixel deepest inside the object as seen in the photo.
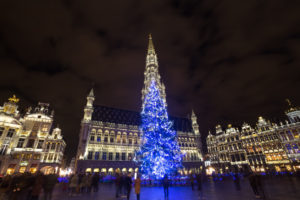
(128, 117)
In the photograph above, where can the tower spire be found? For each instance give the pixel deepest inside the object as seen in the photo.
(151, 71)
(151, 49)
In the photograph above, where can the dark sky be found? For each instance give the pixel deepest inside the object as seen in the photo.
(230, 60)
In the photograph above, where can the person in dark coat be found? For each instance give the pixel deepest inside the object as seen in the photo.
(95, 182)
(199, 181)
(166, 186)
(192, 181)
(253, 184)
(118, 185)
(236, 180)
(128, 184)
(49, 184)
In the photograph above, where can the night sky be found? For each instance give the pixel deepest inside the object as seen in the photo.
(231, 61)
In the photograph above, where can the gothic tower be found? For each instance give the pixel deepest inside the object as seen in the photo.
(151, 72)
(85, 124)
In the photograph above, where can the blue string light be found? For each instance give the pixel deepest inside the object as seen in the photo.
(159, 153)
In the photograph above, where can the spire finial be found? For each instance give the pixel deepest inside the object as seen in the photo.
(150, 45)
(91, 94)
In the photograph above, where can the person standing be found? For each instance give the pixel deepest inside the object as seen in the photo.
(137, 187)
(166, 186)
(95, 182)
(199, 181)
(253, 184)
(236, 180)
(118, 185)
(49, 184)
(73, 184)
(192, 181)
(37, 187)
(128, 183)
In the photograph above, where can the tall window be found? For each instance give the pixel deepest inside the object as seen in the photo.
(110, 156)
(98, 138)
(97, 155)
(92, 138)
(111, 140)
(53, 146)
(40, 144)
(117, 156)
(30, 143)
(123, 156)
(118, 138)
(104, 156)
(105, 139)
(10, 132)
(20, 143)
(1, 131)
(130, 156)
(90, 155)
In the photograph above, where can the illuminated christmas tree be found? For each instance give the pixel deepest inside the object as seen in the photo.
(159, 153)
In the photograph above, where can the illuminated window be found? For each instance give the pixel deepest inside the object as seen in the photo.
(36, 156)
(88, 170)
(45, 127)
(22, 169)
(118, 138)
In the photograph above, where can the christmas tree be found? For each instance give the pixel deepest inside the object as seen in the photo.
(159, 153)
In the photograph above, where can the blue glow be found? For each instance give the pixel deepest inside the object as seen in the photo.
(159, 153)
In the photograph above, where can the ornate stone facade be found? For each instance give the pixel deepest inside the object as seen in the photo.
(109, 137)
(27, 143)
(267, 147)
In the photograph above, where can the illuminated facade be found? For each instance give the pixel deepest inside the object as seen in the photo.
(267, 147)
(26, 144)
(109, 137)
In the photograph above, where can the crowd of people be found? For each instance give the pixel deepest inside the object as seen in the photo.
(27, 186)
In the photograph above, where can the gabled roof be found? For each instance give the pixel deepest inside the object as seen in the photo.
(128, 117)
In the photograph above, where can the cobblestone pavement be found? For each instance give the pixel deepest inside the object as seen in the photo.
(275, 189)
